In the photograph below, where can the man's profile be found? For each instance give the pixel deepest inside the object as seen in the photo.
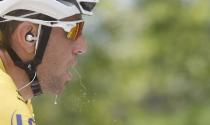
(39, 41)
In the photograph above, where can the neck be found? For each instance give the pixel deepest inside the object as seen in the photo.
(18, 75)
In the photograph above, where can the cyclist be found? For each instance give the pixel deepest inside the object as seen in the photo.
(39, 41)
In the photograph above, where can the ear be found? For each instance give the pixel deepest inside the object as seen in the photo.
(21, 31)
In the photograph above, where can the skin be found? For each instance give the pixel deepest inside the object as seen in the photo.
(60, 55)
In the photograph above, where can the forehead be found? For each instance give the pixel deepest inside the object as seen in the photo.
(73, 18)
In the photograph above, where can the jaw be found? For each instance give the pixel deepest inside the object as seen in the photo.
(55, 84)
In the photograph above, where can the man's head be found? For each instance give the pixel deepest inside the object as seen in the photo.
(44, 40)
(60, 55)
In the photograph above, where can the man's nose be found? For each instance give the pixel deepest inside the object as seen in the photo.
(80, 45)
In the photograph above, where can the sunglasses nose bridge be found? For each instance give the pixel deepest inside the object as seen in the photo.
(67, 28)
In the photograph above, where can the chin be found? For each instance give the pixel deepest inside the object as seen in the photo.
(58, 90)
(55, 84)
(54, 88)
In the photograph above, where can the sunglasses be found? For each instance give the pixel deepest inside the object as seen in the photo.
(72, 28)
(75, 31)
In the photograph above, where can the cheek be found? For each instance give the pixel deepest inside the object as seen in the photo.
(56, 59)
(50, 74)
(57, 55)
(58, 44)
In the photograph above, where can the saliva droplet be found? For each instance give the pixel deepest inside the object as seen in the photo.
(56, 97)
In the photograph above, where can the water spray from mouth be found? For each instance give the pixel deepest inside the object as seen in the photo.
(80, 78)
(80, 82)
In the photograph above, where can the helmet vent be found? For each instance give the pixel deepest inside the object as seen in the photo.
(88, 6)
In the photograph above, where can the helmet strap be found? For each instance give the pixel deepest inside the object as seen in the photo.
(30, 67)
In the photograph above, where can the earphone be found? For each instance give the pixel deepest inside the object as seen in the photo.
(30, 37)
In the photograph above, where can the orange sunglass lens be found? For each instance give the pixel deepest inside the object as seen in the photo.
(74, 33)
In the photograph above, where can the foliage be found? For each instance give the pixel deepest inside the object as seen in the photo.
(148, 63)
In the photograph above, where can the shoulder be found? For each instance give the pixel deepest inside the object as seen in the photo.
(13, 110)
(7, 87)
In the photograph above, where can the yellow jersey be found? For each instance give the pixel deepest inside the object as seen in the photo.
(13, 109)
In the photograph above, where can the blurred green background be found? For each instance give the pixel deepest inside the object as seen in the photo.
(148, 63)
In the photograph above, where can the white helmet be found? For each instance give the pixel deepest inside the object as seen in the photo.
(57, 9)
